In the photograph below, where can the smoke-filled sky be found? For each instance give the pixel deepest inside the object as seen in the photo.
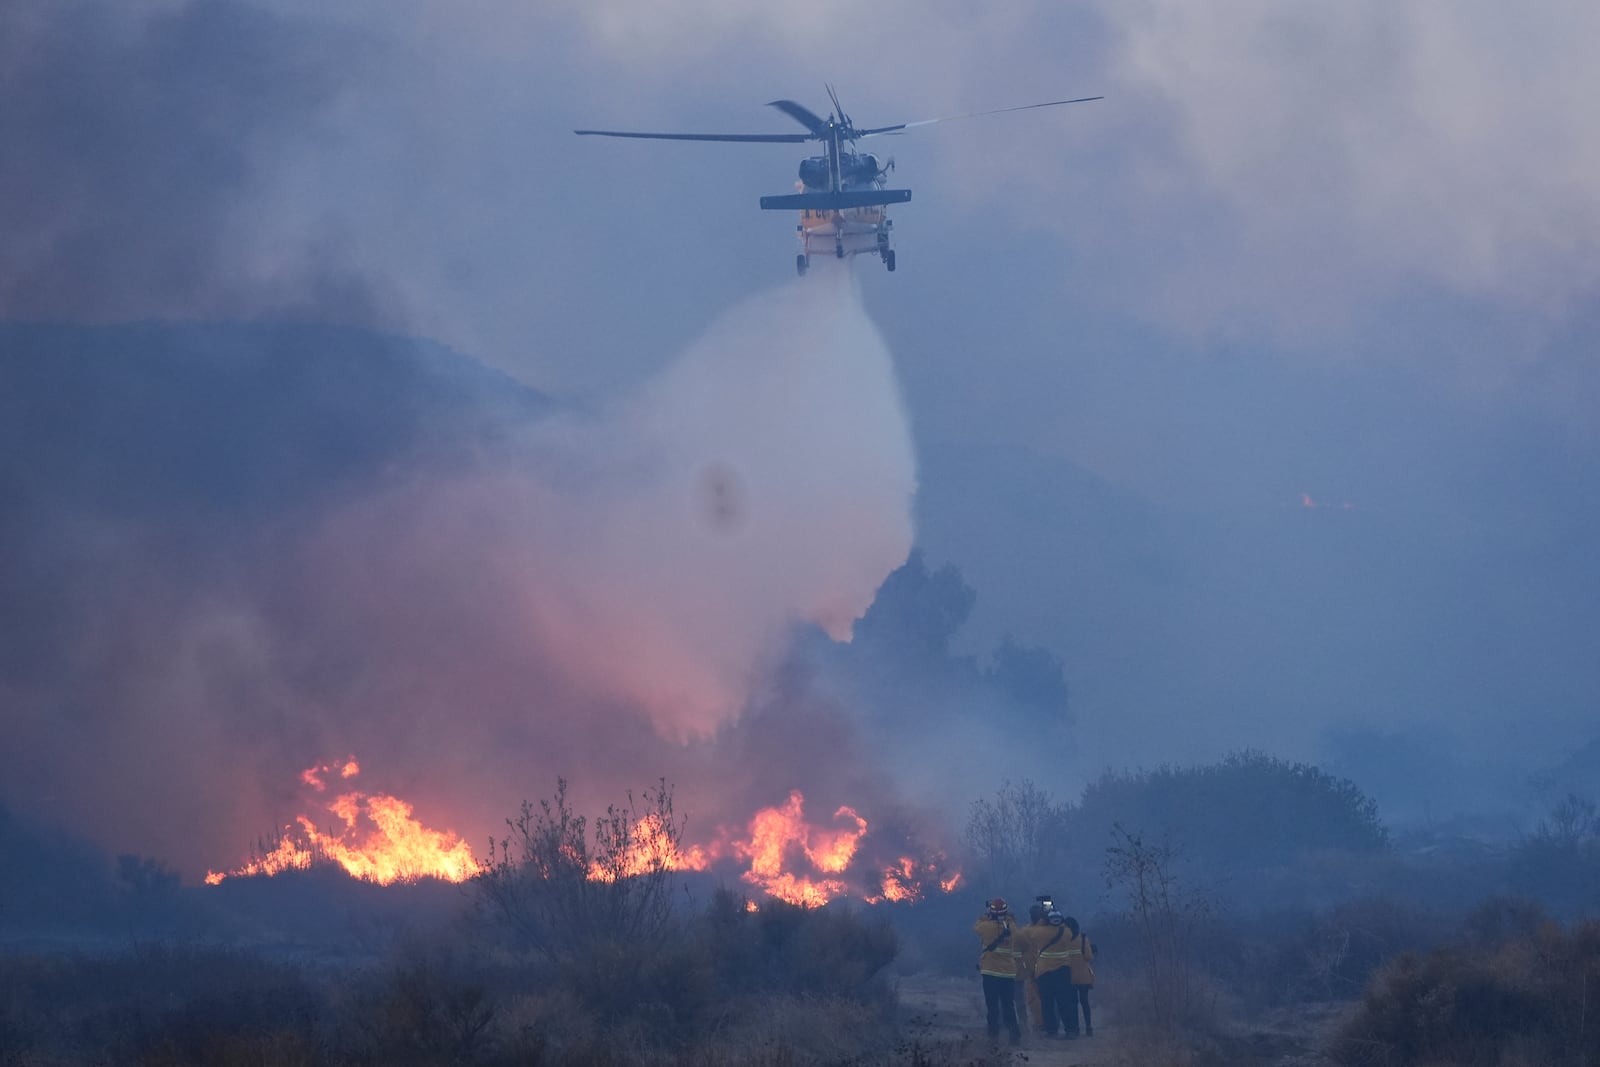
(1261, 392)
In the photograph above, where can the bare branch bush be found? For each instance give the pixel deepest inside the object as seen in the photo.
(1559, 862)
(1164, 914)
(568, 890)
(1018, 836)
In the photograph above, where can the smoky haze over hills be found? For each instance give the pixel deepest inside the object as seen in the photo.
(1443, 606)
(247, 550)
(216, 579)
(1142, 357)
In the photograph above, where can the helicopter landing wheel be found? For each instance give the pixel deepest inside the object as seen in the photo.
(800, 264)
(888, 260)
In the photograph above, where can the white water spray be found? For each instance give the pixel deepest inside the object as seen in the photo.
(764, 479)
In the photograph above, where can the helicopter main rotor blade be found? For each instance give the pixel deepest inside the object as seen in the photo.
(760, 138)
(838, 108)
(973, 115)
(803, 115)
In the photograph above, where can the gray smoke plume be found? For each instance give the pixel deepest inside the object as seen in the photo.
(141, 138)
(479, 606)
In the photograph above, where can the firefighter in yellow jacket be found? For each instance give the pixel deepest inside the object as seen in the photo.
(997, 929)
(1080, 958)
(1050, 948)
(1027, 981)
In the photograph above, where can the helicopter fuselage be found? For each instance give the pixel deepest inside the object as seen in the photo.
(847, 231)
(857, 170)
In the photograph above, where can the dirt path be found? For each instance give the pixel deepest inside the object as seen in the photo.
(949, 1011)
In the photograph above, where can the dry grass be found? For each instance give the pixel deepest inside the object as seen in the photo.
(173, 1006)
(1531, 999)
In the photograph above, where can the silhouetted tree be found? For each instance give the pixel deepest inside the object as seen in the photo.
(1018, 837)
(144, 877)
(1249, 810)
(902, 667)
(1559, 863)
(916, 611)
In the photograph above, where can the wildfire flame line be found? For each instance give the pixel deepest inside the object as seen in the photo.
(778, 841)
(377, 838)
(380, 841)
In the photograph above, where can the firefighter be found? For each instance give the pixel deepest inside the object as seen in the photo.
(1025, 965)
(1080, 960)
(1049, 946)
(997, 928)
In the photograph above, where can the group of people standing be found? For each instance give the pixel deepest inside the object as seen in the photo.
(1051, 955)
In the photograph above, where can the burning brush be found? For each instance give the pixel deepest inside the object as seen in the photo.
(376, 838)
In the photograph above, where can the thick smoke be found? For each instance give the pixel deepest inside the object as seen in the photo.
(143, 139)
(231, 552)
(600, 595)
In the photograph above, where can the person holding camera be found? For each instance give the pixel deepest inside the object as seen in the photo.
(1026, 979)
(1050, 948)
(997, 929)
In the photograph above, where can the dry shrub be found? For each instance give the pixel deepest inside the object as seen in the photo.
(279, 1049)
(773, 1030)
(728, 984)
(426, 1008)
(1165, 915)
(812, 1029)
(563, 885)
(835, 951)
(1503, 919)
(1124, 1006)
(1352, 940)
(543, 1021)
(158, 1004)
(1141, 1048)
(1530, 999)
(1299, 958)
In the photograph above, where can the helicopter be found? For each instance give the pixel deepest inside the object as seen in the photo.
(842, 196)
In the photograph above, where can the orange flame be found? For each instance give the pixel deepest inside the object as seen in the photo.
(899, 881)
(778, 833)
(380, 840)
(651, 849)
(907, 879)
